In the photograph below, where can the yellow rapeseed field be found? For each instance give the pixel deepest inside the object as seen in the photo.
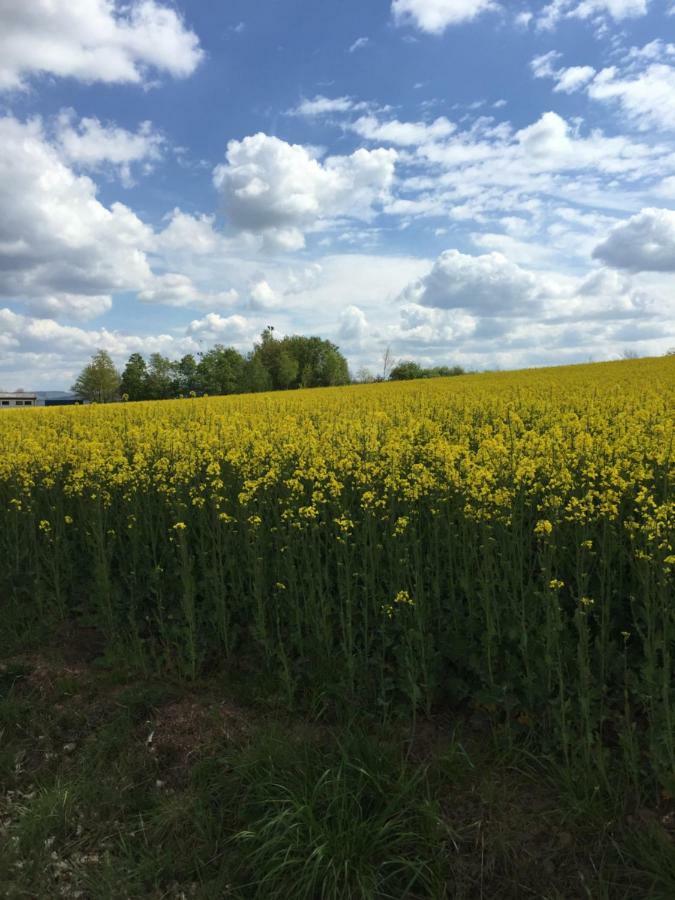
(502, 539)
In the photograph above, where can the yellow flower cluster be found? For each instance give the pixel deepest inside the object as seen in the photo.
(401, 600)
(581, 443)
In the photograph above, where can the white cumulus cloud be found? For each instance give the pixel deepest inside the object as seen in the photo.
(234, 329)
(177, 289)
(89, 144)
(194, 233)
(81, 307)
(644, 243)
(573, 78)
(57, 240)
(642, 86)
(36, 336)
(262, 296)
(402, 133)
(647, 97)
(93, 40)
(281, 190)
(486, 285)
(434, 16)
(353, 324)
(469, 309)
(322, 106)
(568, 79)
(617, 10)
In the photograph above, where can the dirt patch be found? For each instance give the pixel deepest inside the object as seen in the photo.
(183, 731)
(507, 832)
(68, 656)
(661, 817)
(39, 674)
(79, 644)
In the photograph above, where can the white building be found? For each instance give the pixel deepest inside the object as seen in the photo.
(19, 398)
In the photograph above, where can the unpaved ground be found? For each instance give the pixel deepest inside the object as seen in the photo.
(117, 785)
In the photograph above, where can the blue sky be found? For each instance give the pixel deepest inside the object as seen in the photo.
(466, 181)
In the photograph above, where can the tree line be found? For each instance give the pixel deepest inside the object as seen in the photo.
(406, 371)
(273, 364)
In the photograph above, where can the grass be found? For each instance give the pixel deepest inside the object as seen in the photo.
(116, 785)
(350, 821)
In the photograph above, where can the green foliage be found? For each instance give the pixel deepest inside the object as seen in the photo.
(220, 371)
(298, 361)
(406, 371)
(99, 381)
(320, 363)
(273, 364)
(256, 378)
(355, 823)
(186, 376)
(159, 382)
(444, 371)
(285, 370)
(134, 378)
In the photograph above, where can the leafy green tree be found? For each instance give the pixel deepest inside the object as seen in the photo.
(267, 354)
(298, 361)
(221, 371)
(320, 362)
(185, 376)
(406, 371)
(444, 371)
(159, 382)
(134, 378)
(256, 378)
(286, 369)
(335, 370)
(99, 381)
